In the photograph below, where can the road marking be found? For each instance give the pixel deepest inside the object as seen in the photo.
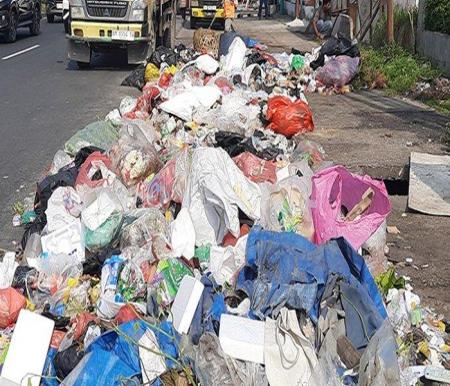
(20, 52)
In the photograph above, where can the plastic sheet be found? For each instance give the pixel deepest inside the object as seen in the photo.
(335, 188)
(287, 117)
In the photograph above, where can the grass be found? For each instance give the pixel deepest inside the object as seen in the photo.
(443, 106)
(392, 67)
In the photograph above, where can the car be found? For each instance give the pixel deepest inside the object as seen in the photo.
(17, 14)
(54, 8)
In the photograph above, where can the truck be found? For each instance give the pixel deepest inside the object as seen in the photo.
(206, 11)
(136, 26)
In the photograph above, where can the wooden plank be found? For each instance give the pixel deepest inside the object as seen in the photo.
(429, 184)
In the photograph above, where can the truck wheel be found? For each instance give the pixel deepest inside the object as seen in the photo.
(35, 26)
(11, 34)
(83, 65)
(50, 18)
(192, 22)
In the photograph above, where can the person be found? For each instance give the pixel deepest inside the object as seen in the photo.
(265, 4)
(183, 6)
(321, 22)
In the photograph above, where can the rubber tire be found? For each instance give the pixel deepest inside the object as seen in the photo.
(50, 19)
(83, 65)
(11, 35)
(35, 27)
(192, 22)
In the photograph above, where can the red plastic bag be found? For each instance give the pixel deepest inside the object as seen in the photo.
(144, 103)
(90, 167)
(57, 338)
(255, 168)
(334, 189)
(81, 322)
(230, 240)
(287, 117)
(11, 302)
(126, 314)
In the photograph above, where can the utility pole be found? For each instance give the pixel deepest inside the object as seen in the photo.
(390, 20)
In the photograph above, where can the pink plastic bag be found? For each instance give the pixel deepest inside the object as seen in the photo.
(255, 168)
(334, 188)
(338, 71)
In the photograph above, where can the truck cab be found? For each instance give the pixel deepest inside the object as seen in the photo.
(136, 26)
(205, 11)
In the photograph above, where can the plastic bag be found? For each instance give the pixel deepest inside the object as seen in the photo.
(256, 169)
(298, 61)
(309, 150)
(335, 190)
(133, 160)
(105, 234)
(143, 106)
(55, 271)
(235, 58)
(168, 185)
(11, 302)
(287, 117)
(338, 71)
(63, 207)
(94, 170)
(285, 207)
(151, 72)
(207, 64)
(147, 223)
(135, 79)
(102, 134)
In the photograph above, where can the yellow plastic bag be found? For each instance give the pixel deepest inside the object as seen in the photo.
(151, 72)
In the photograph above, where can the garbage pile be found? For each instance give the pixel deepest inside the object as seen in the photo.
(196, 237)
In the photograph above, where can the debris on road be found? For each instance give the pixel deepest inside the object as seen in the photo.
(195, 236)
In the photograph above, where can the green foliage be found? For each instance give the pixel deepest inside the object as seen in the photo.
(437, 16)
(405, 26)
(388, 280)
(392, 67)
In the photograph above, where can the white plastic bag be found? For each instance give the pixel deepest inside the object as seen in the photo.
(289, 356)
(64, 206)
(207, 64)
(182, 236)
(235, 59)
(216, 190)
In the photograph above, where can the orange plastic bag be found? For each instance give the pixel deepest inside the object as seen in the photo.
(11, 302)
(287, 117)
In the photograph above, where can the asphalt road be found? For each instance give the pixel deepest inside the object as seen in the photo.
(44, 100)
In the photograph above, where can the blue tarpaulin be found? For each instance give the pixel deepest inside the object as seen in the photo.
(285, 269)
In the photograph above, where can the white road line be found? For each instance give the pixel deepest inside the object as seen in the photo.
(20, 52)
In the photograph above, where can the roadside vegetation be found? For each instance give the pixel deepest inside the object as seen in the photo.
(398, 69)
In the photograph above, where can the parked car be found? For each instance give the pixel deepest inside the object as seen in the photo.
(17, 14)
(54, 8)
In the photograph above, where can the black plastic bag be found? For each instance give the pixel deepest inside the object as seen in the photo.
(33, 227)
(66, 360)
(83, 153)
(21, 274)
(164, 55)
(136, 78)
(61, 322)
(255, 57)
(94, 262)
(335, 46)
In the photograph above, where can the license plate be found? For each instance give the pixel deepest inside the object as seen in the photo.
(209, 7)
(59, 6)
(120, 34)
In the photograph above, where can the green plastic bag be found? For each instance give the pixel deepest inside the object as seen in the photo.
(102, 134)
(104, 234)
(298, 62)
